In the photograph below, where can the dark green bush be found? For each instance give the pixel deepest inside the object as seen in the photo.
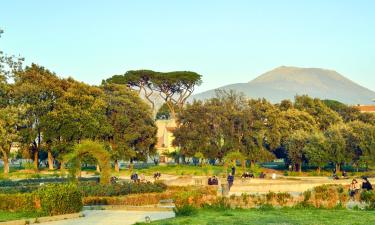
(19, 189)
(37, 181)
(56, 199)
(120, 189)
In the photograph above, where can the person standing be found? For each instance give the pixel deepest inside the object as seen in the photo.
(233, 170)
(230, 180)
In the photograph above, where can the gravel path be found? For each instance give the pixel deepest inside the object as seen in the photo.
(113, 217)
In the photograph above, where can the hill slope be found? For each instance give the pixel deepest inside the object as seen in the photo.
(286, 82)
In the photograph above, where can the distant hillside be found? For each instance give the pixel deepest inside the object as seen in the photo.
(286, 82)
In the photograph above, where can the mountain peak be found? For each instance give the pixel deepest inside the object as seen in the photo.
(285, 82)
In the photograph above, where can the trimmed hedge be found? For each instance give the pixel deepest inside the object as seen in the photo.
(57, 199)
(18, 202)
(37, 181)
(53, 199)
(120, 189)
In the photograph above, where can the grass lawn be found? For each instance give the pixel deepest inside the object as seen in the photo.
(6, 216)
(275, 216)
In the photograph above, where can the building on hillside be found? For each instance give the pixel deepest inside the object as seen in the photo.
(366, 108)
(165, 138)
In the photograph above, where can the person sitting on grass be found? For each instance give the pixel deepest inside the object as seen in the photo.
(157, 175)
(334, 175)
(353, 188)
(247, 175)
(213, 181)
(134, 177)
(366, 185)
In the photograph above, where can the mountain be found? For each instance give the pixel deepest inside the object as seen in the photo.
(286, 82)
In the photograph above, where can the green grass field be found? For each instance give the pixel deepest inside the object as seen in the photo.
(7, 216)
(274, 217)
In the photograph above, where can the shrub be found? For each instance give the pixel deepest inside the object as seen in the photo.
(133, 200)
(19, 189)
(120, 189)
(185, 210)
(369, 198)
(328, 196)
(18, 202)
(56, 199)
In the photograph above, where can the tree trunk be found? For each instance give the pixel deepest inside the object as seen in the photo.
(36, 159)
(252, 164)
(50, 159)
(6, 163)
(337, 168)
(117, 167)
(243, 165)
(318, 170)
(62, 168)
(97, 168)
(298, 167)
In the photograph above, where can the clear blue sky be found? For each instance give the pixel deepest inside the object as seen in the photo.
(225, 41)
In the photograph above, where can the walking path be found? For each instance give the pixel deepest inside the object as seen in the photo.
(113, 217)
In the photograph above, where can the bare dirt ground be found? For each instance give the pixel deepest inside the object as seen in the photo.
(257, 185)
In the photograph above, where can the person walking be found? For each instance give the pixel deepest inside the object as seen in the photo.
(230, 180)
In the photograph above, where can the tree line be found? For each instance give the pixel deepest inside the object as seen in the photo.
(308, 130)
(45, 113)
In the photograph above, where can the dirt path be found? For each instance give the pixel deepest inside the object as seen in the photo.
(113, 217)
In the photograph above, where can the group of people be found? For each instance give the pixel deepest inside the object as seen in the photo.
(213, 181)
(157, 175)
(336, 177)
(247, 175)
(136, 179)
(355, 187)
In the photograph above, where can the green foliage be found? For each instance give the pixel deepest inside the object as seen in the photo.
(369, 198)
(57, 199)
(95, 149)
(185, 210)
(18, 202)
(316, 149)
(132, 130)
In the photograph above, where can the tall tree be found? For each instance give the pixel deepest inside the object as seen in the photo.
(295, 144)
(337, 148)
(8, 133)
(79, 113)
(322, 114)
(132, 129)
(316, 150)
(36, 89)
(139, 80)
